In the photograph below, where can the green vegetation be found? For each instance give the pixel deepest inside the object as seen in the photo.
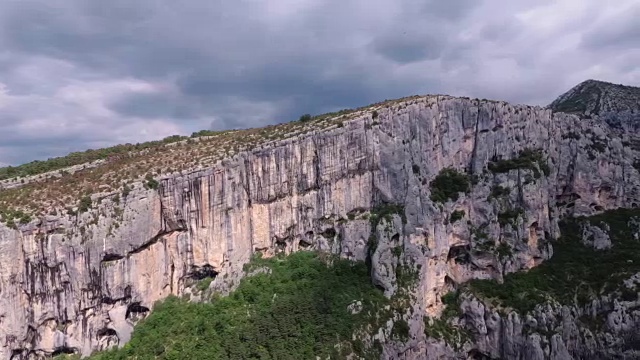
(386, 211)
(448, 185)
(451, 300)
(596, 97)
(67, 357)
(456, 215)
(400, 330)
(570, 276)
(9, 217)
(578, 101)
(305, 117)
(298, 311)
(77, 158)
(594, 323)
(442, 328)
(126, 190)
(575, 105)
(151, 183)
(407, 275)
(510, 216)
(85, 204)
(203, 284)
(527, 159)
(498, 191)
(504, 250)
(479, 233)
(397, 251)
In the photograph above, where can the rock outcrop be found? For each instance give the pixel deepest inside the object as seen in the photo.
(77, 283)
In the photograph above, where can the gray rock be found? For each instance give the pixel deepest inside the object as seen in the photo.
(596, 236)
(355, 307)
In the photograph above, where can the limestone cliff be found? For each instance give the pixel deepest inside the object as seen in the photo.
(77, 282)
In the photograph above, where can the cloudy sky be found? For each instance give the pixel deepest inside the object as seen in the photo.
(78, 74)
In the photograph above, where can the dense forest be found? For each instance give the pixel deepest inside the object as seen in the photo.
(296, 308)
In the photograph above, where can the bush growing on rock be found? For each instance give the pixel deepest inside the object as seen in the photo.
(498, 191)
(151, 183)
(85, 204)
(526, 159)
(456, 215)
(305, 117)
(448, 185)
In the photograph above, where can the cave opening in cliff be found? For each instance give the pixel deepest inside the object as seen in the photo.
(135, 308)
(307, 241)
(329, 233)
(449, 284)
(18, 354)
(203, 272)
(474, 354)
(460, 254)
(304, 244)
(281, 244)
(106, 332)
(63, 350)
(111, 257)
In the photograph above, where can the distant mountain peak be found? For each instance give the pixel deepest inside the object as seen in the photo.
(595, 97)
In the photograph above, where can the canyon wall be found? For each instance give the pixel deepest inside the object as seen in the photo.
(77, 283)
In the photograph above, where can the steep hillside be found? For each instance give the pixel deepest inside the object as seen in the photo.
(594, 97)
(447, 201)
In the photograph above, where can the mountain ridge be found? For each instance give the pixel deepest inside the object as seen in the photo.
(90, 155)
(175, 138)
(560, 104)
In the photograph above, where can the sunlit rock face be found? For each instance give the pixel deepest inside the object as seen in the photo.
(79, 283)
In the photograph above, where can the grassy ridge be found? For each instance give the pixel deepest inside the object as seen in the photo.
(82, 157)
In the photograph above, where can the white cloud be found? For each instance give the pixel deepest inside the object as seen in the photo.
(73, 109)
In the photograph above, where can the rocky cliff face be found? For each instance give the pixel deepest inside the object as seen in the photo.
(78, 283)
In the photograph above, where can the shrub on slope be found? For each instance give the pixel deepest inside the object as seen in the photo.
(298, 311)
